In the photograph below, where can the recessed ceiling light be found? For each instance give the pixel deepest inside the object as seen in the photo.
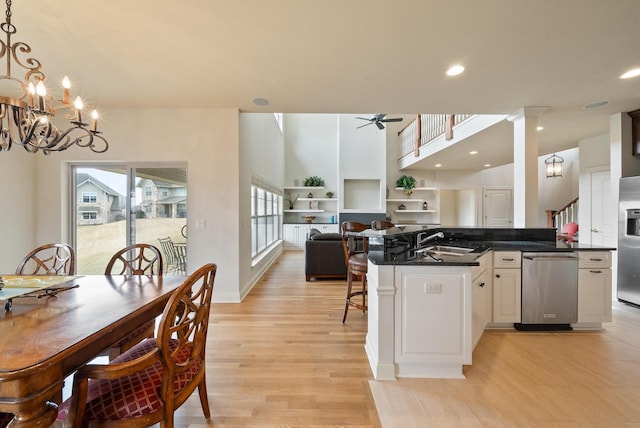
(539, 128)
(596, 104)
(438, 165)
(631, 73)
(473, 152)
(487, 165)
(455, 70)
(260, 102)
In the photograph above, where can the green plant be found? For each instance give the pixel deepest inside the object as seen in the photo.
(314, 181)
(407, 182)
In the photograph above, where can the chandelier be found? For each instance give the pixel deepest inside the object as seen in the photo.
(26, 113)
(554, 166)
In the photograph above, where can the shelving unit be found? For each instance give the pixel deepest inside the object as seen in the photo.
(328, 206)
(414, 211)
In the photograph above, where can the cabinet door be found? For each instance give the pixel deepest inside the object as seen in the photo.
(480, 294)
(295, 235)
(329, 228)
(594, 295)
(507, 295)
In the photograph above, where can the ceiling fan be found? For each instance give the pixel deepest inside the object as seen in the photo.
(378, 120)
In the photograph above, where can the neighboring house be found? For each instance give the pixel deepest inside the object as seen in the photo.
(97, 203)
(161, 199)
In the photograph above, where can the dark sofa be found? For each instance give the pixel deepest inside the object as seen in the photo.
(324, 256)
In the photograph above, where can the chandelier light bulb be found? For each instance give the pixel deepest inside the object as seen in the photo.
(66, 85)
(27, 118)
(94, 121)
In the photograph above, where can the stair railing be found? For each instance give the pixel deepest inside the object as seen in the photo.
(425, 128)
(567, 214)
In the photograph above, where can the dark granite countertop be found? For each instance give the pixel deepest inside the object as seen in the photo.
(398, 247)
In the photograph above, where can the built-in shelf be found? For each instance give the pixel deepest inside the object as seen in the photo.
(318, 199)
(406, 200)
(304, 211)
(415, 211)
(304, 188)
(418, 188)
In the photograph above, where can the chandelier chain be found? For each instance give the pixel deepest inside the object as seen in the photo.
(8, 12)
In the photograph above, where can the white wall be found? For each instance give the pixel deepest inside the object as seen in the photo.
(261, 154)
(362, 156)
(18, 174)
(206, 139)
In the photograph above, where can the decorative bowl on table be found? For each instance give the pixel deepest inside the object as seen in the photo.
(308, 218)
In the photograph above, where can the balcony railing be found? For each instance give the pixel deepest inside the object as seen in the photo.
(425, 128)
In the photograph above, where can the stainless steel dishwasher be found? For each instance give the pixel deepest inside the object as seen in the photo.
(549, 290)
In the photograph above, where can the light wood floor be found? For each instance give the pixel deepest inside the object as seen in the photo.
(282, 358)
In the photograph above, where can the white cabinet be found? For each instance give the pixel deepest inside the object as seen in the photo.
(507, 287)
(594, 287)
(295, 235)
(421, 207)
(481, 305)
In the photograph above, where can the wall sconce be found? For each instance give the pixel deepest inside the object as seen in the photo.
(554, 166)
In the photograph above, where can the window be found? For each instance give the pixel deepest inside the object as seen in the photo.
(89, 197)
(266, 217)
(120, 214)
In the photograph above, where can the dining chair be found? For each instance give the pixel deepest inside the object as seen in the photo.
(136, 259)
(175, 256)
(49, 259)
(381, 225)
(355, 256)
(145, 385)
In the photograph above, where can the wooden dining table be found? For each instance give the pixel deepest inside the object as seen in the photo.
(44, 339)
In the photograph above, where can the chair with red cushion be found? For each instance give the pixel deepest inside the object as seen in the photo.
(145, 385)
(568, 232)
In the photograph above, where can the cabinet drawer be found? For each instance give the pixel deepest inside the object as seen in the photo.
(506, 259)
(594, 259)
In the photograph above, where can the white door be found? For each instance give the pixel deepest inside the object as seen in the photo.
(602, 215)
(497, 208)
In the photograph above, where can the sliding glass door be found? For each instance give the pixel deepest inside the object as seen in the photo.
(119, 205)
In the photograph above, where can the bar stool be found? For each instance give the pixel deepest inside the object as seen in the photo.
(381, 225)
(355, 256)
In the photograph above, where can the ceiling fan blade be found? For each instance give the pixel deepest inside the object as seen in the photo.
(363, 118)
(379, 117)
(366, 124)
(379, 125)
(393, 119)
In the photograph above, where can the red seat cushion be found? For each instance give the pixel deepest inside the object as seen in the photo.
(133, 395)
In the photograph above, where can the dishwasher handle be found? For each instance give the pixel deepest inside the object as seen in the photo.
(551, 258)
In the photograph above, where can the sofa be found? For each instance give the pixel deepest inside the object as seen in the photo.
(324, 256)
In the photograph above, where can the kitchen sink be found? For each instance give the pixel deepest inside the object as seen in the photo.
(448, 250)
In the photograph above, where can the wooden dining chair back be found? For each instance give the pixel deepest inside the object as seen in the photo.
(355, 254)
(136, 259)
(381, 225)
(146, 384)
(49, 259)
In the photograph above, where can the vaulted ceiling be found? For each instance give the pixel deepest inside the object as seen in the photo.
(353, 56)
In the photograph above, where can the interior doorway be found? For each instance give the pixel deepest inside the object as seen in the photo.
(497, 207)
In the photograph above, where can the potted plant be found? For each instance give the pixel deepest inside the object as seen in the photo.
(313, 181)
(407, 182)
(291, 200)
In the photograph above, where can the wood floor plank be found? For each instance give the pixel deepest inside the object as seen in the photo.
(282, 358)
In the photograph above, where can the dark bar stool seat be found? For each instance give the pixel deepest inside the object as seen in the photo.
(355, 252)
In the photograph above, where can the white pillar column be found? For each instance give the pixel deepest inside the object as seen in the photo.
(525, 166)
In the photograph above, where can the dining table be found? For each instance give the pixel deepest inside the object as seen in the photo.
(45, 336)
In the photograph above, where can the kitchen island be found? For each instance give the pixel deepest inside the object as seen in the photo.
(431, 297)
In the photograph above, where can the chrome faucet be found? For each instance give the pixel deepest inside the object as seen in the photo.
(423, 240)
